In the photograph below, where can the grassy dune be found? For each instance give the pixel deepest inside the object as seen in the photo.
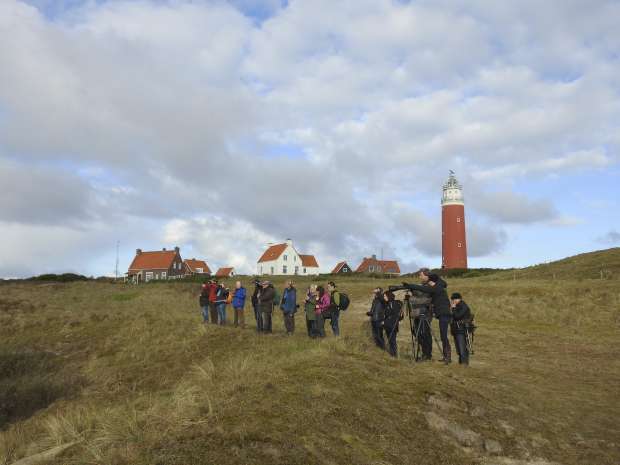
(131, 376)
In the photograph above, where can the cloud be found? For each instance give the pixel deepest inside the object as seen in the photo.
(510, 207)
(611, 238)
(237, 122)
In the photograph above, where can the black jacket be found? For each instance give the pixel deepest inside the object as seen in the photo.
(439, 296)
(255, 296)
(265, 299)
(461, 312)
(203, 300)
(377, 309)
(392, 313)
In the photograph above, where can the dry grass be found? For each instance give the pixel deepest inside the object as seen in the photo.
(132, 374)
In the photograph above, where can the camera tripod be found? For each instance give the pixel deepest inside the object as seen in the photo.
(424, 325)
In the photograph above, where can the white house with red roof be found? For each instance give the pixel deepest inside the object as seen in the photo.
(284, 260)
(159, 264)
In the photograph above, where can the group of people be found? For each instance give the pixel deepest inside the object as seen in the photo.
(425, 300)
(320, 303)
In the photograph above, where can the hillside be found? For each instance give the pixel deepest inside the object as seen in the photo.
(129, 375)
(591, 265)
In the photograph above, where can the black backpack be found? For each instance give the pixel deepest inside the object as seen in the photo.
(344, 301)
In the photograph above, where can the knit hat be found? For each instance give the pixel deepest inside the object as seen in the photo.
(456, 295)
(433, 277)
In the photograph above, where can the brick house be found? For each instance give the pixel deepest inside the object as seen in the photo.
(193, 267)
(160, 264)
(372, 265)
(228, 272)
(342, 268)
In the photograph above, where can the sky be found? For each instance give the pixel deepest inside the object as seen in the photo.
(224, 126)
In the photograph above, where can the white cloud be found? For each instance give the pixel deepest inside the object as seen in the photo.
(150, 113)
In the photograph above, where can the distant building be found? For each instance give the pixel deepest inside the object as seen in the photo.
(161, 264)
(453, 241)
(342, 268)
(193, 267)
(372, 265)
(225, 272)
(284, 260)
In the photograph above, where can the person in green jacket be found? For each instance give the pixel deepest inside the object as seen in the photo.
(309, 308)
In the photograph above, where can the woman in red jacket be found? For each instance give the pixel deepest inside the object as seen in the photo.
(322, 306)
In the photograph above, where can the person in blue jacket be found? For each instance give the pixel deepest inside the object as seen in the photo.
(238, 303)
(289, 307)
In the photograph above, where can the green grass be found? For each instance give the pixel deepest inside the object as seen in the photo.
(133, 375)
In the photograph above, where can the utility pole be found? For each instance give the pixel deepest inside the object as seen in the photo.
(116, 267)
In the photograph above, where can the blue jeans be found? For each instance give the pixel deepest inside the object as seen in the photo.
(205, 314)
(221, 313)
(335, 327)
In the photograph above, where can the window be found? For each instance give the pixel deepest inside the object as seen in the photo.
(272, 270)
(284, 269)
(261, 270)
(459, 244)
(163, 274)
(304, 271)
(198, 270)
(284, 258)
(296, 270)
(149, 276)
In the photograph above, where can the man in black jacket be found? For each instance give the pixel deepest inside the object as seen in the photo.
(436, 288)
(258, 316)
(377, 316)
(460, 317)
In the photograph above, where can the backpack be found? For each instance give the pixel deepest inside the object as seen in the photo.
(344, 301)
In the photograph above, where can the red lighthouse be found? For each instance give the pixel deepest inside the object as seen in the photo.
(453, 244)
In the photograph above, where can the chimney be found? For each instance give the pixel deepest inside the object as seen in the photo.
(374, 257)
(177, 250)
(289, 242)
(138, 251)
(164, 249)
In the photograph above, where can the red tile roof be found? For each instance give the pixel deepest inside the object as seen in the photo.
(387, 266)
(272, 253)
(192, 264)
(158, 260)
(308, 260)
(338, 267)
(224, 272)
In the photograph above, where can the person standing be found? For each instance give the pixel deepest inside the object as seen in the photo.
(212, 299)
(265, 303)
(334, 307)
(461, 315)
(289, 307)
(238, 303)
(309, 309)
(436, 288)
(393, 315)
(377, 316)
(323, 304)
(203, 300)
(258, 316)
(221, 299)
